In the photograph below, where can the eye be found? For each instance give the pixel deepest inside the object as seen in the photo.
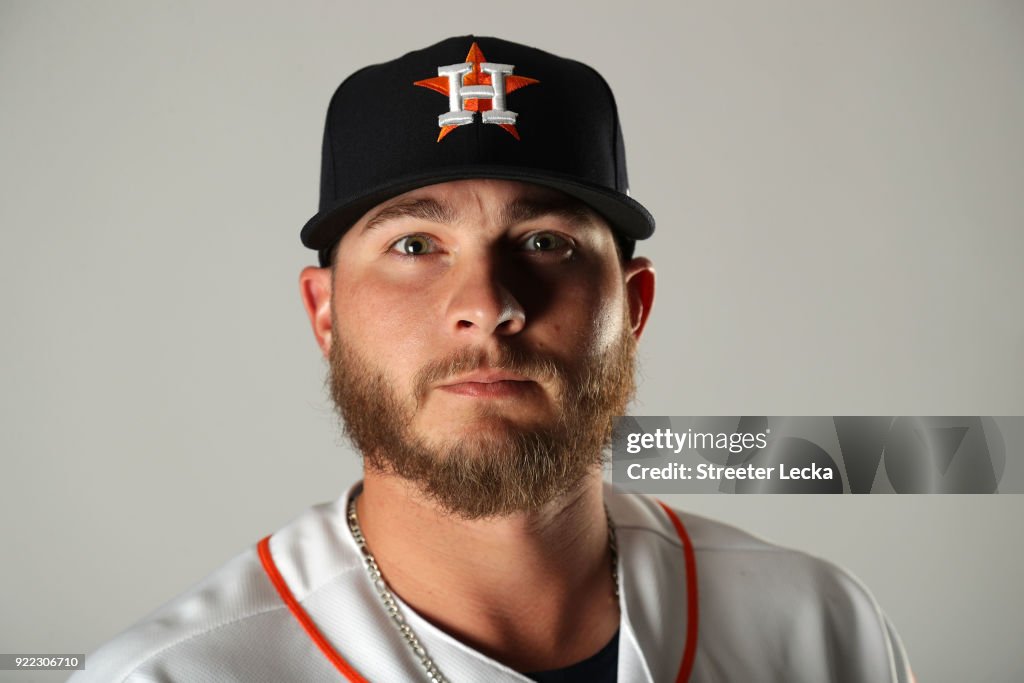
(545, 241)
(414, 245)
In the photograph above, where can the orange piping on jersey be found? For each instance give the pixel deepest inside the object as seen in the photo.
(690, 651)
(263, 547)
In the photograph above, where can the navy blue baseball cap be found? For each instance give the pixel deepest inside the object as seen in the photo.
(447, 112)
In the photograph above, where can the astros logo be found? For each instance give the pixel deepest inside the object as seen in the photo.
(476, 85)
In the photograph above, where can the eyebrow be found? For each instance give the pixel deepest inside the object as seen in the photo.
(516, 211)
(527, 209)
(423, 209)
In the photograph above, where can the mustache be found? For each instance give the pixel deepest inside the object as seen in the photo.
(534, 365)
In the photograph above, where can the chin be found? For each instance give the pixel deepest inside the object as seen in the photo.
(484, 431)
(445, 418)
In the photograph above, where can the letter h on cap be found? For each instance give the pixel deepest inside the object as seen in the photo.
(457, 93)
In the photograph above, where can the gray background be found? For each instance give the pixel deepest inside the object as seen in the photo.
(837, 187)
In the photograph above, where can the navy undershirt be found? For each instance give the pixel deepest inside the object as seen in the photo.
(599, 668)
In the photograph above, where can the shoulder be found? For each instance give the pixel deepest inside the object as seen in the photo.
(732, 556)
(812, 615)
(226, 619)
(235, 593)
(761, 604)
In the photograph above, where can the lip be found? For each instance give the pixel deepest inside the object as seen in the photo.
(488, 384)
(487, 377)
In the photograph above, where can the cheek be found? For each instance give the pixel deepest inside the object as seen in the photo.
(385, 324)
(607, 322)
(586, 313)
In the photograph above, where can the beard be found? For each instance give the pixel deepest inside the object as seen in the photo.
(493, 472)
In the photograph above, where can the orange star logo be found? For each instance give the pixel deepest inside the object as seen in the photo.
(477, 77)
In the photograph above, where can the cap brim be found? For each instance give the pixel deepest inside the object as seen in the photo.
(626, 216)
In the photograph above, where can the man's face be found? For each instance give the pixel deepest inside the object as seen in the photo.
(481, 341)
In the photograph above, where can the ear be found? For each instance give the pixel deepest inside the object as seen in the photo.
(639, 275)
(315, 287)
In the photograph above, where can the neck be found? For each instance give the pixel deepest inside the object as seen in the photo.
(533, 590)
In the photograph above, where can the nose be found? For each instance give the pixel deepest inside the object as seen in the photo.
(482, 304)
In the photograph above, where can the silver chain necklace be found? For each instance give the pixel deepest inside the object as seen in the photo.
(387, 598)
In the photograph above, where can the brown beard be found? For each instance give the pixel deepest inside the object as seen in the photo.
(487, 475)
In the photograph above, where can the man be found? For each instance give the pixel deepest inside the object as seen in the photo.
(479, 304)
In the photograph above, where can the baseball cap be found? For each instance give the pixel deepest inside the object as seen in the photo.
(447, 112)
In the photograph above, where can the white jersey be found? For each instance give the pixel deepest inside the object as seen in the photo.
(700, 601)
